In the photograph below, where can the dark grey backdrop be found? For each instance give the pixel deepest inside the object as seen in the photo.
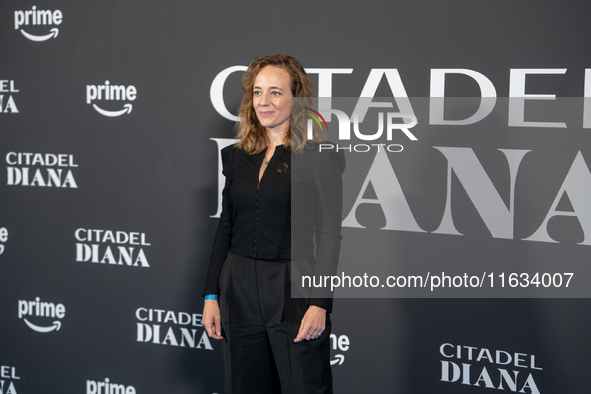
(154, 171)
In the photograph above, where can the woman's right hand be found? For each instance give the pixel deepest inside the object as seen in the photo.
(211, 319)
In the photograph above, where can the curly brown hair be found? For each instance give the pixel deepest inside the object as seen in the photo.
(251, 134)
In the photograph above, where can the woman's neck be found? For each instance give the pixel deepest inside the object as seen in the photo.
(275, 138)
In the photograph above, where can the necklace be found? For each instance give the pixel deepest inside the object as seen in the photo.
(267, 160)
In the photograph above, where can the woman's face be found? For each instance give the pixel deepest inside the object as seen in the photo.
(272, 98)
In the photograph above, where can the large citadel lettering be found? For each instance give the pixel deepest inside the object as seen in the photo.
(488, 93)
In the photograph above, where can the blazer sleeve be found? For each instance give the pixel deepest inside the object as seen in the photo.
(223, 235)
(328, 171)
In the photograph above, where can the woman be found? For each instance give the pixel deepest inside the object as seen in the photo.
(272, 342)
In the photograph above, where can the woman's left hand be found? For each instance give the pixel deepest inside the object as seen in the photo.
(312, 325)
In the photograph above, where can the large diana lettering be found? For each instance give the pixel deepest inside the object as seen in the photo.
(463, 162)
(577, 186)
(221, 144)
(498, 218)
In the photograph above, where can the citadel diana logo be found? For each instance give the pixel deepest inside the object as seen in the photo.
(492, 369)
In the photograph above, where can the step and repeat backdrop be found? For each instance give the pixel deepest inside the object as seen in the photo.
(112, 116)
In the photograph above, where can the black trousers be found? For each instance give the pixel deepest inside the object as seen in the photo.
(260, 320)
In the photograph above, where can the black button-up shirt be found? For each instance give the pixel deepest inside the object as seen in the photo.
(256, 219)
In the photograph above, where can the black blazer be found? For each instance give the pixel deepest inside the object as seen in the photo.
(299, 192)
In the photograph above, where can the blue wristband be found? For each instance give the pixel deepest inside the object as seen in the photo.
(211, 297)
